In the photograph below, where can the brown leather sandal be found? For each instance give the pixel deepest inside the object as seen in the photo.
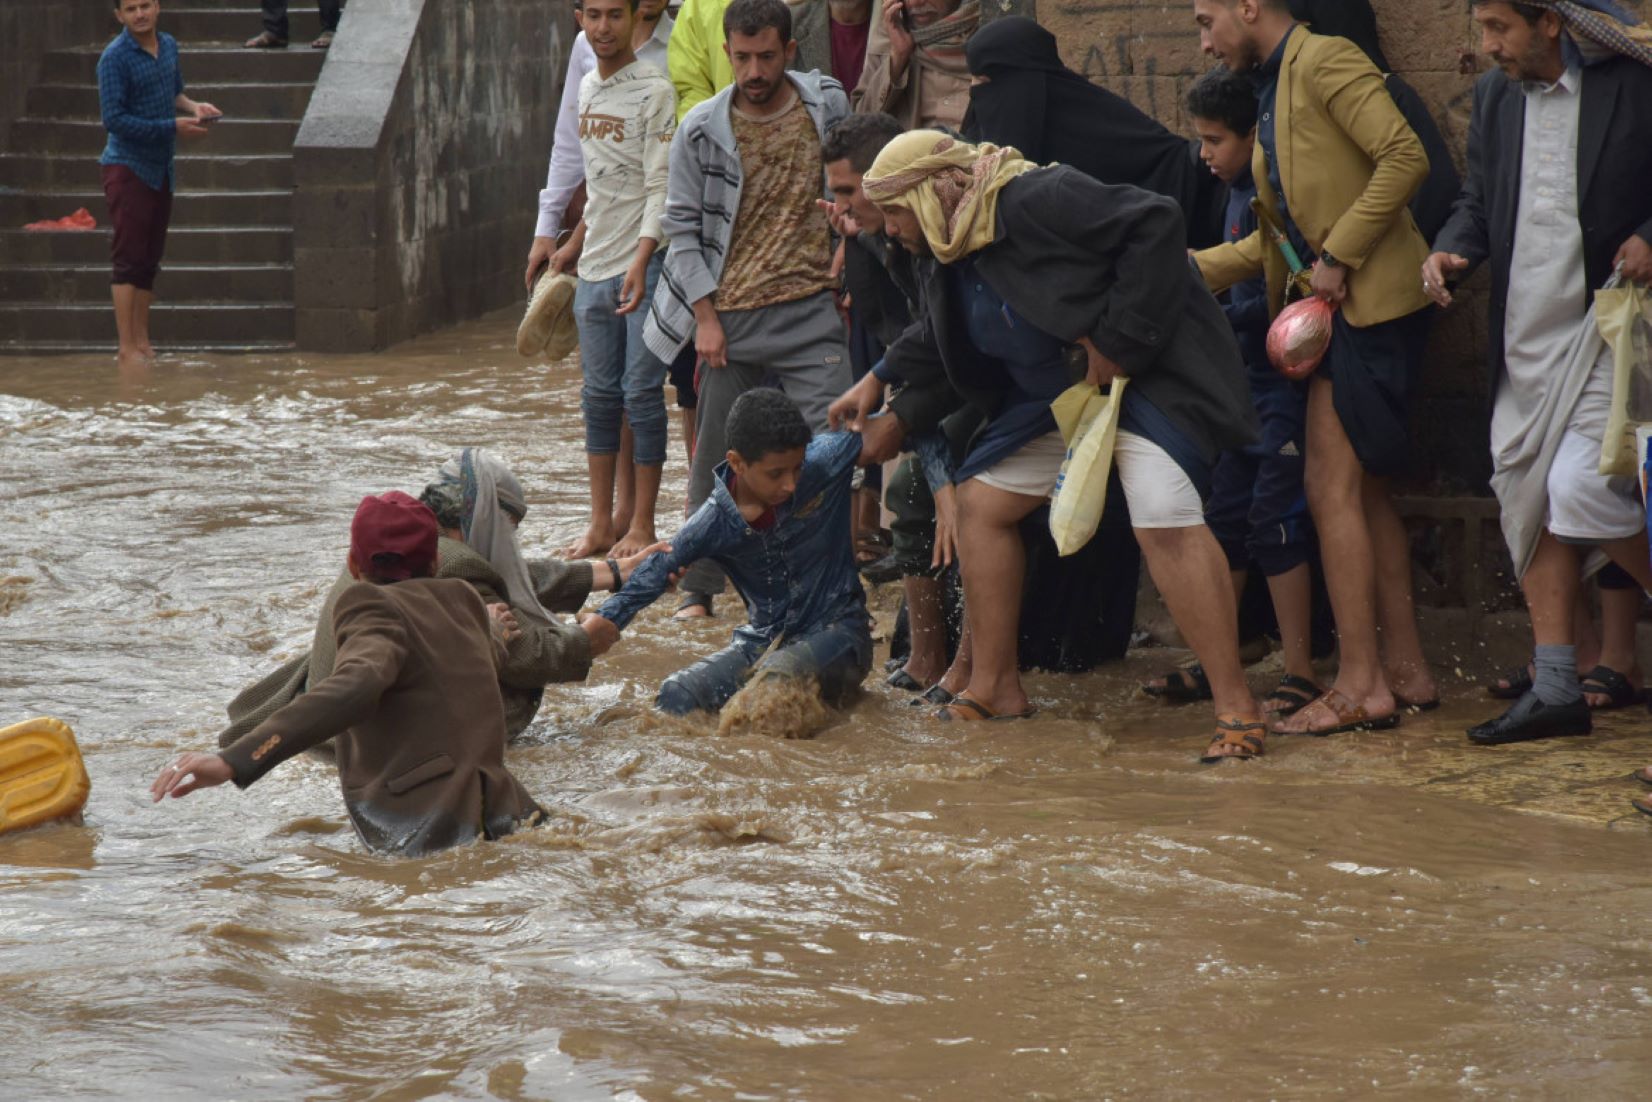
(1349, 717)
(1247, 737)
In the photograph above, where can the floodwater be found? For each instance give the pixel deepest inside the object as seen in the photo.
(1066, 908)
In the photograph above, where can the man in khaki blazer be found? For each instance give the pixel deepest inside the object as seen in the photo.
(1335, 166)
(413, 700)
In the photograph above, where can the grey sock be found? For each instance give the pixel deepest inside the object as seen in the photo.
(1556, 681)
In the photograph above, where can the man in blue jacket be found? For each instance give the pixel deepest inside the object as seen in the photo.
(140, 91)
(777, 522)
(748, 279)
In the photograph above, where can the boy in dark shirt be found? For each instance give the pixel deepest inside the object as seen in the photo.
(777, 522)
(1257, 508)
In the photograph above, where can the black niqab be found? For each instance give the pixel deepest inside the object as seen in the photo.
(1053, 115)
(1350, 19)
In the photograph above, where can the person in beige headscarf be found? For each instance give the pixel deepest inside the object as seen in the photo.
(915, 67)
(1019, 265)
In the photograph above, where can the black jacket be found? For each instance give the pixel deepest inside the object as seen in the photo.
(1614, 164)
(1079, 258)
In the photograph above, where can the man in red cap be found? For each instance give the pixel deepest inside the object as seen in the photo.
(413, 700)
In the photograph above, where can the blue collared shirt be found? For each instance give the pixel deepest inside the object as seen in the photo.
(796, 576)
(137, 92)
(1265, 79)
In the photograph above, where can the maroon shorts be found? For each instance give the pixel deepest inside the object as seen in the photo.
(140, 215)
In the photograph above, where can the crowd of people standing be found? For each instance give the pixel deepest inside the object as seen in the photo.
(1008, 226)
(888, 235)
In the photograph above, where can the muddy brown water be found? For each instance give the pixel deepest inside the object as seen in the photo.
(1065, 908)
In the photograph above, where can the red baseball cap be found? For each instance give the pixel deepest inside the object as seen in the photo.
(393, 524)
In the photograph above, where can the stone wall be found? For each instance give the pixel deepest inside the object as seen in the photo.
(31, 28)
(1148, 51)
(419, 164)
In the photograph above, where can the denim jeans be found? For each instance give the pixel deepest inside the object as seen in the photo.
(621, 374)
(838, 656)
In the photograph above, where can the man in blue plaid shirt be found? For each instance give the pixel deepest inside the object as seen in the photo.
(141, 92)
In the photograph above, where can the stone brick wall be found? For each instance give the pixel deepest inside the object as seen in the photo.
(1148, 51)
(30, 28)
(419, 166)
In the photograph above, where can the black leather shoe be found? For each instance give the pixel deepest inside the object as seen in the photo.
(1530, 719)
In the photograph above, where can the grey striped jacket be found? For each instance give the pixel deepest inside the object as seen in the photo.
(702, 198)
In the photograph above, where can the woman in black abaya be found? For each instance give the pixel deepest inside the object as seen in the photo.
(1026, 98)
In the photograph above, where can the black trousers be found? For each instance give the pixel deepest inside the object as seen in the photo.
(275, 16)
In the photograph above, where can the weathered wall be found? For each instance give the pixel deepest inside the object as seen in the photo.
(31, 28)
(419, 164)
(1148, 50)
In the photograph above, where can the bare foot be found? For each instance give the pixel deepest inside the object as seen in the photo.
(1413, 687)
(634, 541)
(594, 544)
(622, 522)
(922, 674)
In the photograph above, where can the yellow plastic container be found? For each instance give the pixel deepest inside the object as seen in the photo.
(42, 777)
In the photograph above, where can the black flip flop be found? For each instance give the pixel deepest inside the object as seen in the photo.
(934, 695)
(1602, 681)
(694, 600)
(1299, 691)
(904, 681)
(1182, 685)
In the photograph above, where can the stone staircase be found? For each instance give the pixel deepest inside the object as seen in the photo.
(227, 280)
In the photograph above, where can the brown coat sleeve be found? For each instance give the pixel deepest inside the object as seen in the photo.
(372, 645)
(561, 586)
(543, 654)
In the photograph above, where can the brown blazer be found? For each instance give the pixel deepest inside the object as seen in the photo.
(540, 656)
(413, 701)
(1349, 163)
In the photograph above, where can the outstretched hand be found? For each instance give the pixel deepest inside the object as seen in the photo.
(189, 772)
(503, 622)
(601, 632)
(1438, 269)
(856, 404)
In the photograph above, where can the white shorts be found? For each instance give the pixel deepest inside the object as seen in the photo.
(1032, 470)
(1586, 506)
(1158, 490)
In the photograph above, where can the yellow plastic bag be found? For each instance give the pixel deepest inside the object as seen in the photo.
(1622, 315)
(1089, 422)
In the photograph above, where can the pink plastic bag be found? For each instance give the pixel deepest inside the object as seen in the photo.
(1300, 336)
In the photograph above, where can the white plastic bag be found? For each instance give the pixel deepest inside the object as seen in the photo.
(1089, 422)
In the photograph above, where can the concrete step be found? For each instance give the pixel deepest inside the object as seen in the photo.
(184, 245)
(197, 23)
(189, 208)
(246, 100)
(179, 283)
(32, 323)
(86, 137)
(201, 64)
(81, 348)
(243, 172)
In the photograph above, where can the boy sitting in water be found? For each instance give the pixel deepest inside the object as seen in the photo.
(777, 522)
(413, 700)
